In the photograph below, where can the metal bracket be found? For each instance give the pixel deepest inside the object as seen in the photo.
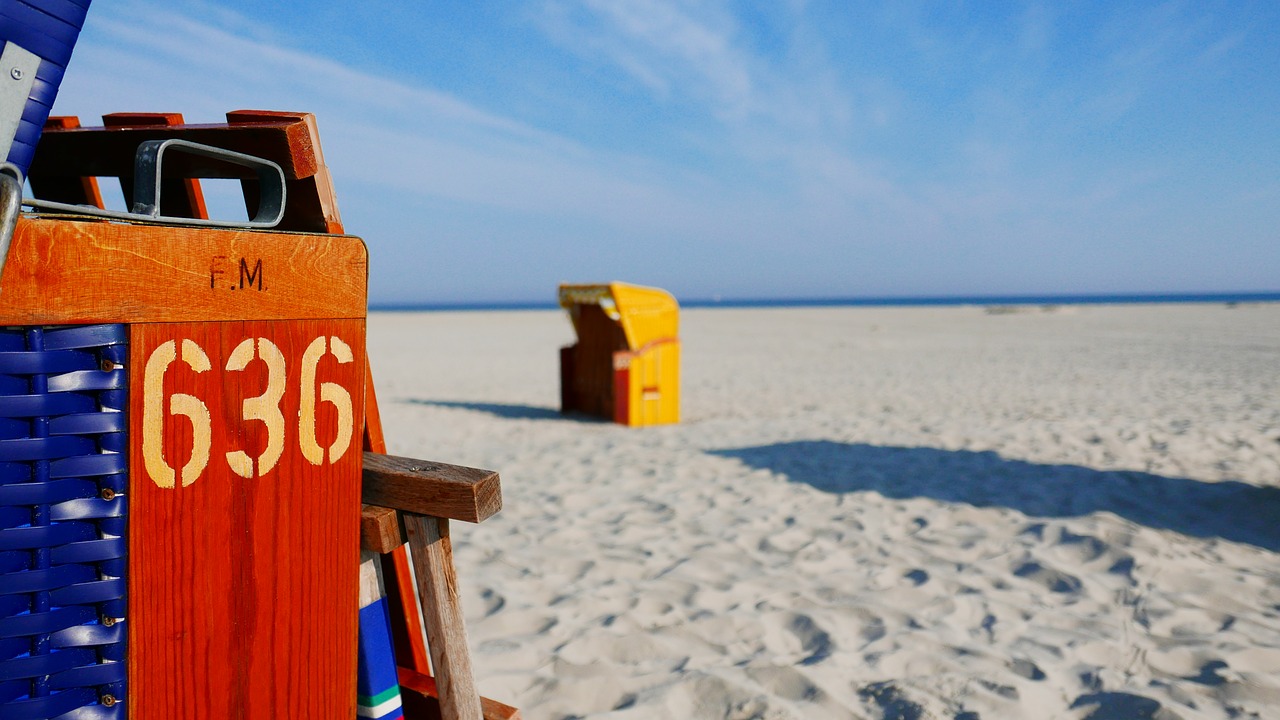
(18, 68)
(147, 177)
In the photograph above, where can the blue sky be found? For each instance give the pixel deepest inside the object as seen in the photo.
(488, 151)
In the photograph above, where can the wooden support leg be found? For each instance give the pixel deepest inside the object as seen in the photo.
(446, 630)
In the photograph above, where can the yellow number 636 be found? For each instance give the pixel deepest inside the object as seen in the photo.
(264, 408)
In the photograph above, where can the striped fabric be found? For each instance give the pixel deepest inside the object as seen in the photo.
(377, 687)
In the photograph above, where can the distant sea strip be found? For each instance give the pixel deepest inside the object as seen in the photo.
(950, 300)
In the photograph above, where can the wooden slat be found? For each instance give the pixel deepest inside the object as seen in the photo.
(64, 188)
(421, 699)
(88, 152)
(68, 154)
(430, 488)
(84, 272)
(402, 602)
(379, 529)
(432, 554)
(370, 578)
(179, 197)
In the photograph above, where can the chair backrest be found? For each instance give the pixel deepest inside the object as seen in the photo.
(71, 158)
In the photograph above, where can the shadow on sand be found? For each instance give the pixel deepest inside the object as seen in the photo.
(510, 411)
(1229, 510)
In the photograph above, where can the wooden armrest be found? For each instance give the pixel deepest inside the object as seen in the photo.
(380, 529)
(414, 500)
(429, 488)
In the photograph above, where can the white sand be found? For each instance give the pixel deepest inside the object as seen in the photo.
(867, 513)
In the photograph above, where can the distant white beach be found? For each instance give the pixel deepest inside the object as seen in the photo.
(940, 512)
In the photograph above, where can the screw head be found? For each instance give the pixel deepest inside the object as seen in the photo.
(16, 73)
(108, 700)
(108, 494)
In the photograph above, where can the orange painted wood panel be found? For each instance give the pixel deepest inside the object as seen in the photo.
(61, 271)
(244, 518)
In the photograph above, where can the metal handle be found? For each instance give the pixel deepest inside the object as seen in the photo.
(148, 166)
(10, 207)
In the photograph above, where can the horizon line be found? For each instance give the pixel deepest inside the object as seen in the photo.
(867, 301)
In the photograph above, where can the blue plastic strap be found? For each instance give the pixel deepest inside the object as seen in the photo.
(47, 493)
(88, 593)
(87, 381)
(68, 11)
(89, 551)
(63, 475)
(29, 581)
(89, 635)
(51, 706)
(46, 536)
(13, 428)
(93, 508)
(89, 673)
(46, 622)
(88, 465)
(44, 405)
(79, 337)
(46, 362)
(44, 448)
(94, 423)
(50, 664)
(48, 35)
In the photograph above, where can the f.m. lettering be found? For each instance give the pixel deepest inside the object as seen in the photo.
(251, 277)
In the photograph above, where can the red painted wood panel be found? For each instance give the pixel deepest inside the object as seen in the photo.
(242, 590)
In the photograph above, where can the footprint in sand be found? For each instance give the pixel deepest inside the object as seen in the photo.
(813, 639)
(891, 701)
(1120, 705)
(1051, 579)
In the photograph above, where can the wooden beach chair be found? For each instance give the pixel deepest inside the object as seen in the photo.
(191, 456)
(626, 364)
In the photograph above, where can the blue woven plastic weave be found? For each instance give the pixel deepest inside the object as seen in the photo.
(48, 29)
(63, 473)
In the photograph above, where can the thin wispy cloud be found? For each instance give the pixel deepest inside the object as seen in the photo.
(718, 148)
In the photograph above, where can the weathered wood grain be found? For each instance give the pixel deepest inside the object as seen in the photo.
(431, 488)
(61, 271)
(406, 615)
(432, 554)
(379, 529)
(371, 589)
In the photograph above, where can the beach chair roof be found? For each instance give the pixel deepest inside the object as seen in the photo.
(646, 314)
